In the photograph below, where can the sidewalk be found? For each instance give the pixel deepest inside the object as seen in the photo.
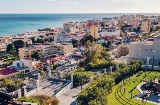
(69, 98)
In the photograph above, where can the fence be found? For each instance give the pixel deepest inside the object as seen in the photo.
(31, 92)
(64, 89)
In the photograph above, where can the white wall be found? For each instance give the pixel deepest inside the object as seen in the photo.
(105, 33)
(65, 89)
(27, 63)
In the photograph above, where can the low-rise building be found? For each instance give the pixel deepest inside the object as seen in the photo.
(109, 32)
(46, 50)
(62, 38)
(4, 41)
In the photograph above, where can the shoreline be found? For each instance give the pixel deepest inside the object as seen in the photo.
(61, 25)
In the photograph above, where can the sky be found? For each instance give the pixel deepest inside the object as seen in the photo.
(79, 6)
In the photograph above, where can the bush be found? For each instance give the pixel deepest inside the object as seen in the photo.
(29, 99)
(11, 87)
(46, 100)
(82, 77)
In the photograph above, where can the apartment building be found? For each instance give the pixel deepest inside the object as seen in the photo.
(94, 31)
(25, 39)
(62, 38)
(142, 50)
(46, 50)
(109, 31)
(4, 41)
(146, 24)
(74, 27)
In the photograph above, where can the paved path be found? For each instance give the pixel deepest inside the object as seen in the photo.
(69, 98)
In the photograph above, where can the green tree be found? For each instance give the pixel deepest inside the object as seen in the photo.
(36, 55)
(86, 38)
(33, 40)
(75, 42)
(13, 50)
(19, 44)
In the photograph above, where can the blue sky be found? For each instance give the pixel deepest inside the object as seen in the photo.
(79, 6)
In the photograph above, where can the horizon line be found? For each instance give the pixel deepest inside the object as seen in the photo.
(84, 13)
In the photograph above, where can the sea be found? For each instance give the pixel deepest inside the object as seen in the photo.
(12, 24)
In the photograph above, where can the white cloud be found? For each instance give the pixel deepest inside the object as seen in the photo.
(76, 2)
(51, 0)
(63, 1)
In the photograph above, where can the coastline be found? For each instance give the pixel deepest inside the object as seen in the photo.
(25, 23)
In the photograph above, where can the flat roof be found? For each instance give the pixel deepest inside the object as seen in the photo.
(5, 72)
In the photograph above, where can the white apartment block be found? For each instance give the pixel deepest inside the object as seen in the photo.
(110, 32)
(144, 50)
(62, 39)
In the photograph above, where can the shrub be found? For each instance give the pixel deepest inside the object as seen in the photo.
(29, 99)
(97, 92)
(46, 100)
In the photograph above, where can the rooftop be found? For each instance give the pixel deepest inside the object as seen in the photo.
(7, 71)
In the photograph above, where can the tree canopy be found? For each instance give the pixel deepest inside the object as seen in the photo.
(15, 46)
(36, 55)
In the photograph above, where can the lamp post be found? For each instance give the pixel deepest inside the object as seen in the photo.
(154, 51)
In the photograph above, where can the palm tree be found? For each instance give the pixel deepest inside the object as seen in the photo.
(49, 53)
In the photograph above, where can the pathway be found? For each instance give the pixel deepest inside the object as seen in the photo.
(69, 98)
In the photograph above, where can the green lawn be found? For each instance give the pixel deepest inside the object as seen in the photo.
(119, 97)
(9, 59)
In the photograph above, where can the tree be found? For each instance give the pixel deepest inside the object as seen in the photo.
(13, 50)
(49, 53)
(122, 50)
(19, 44)
(9, 47)
(46, 40)
(138, 28)
(86, 38)
(74, 42)
(36, 55)
(33, 40)
(40, 40)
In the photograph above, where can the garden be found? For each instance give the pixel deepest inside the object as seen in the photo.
(125, 95)
(97, 92)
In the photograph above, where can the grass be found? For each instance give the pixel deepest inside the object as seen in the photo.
(119, 97)
(9, 59)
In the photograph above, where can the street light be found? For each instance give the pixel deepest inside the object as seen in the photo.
(154, 51)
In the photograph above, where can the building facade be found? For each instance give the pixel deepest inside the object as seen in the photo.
(4, 41)
(94, 31)
(142, 50)
(145, 27)
(46, 50)
(105, 32)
